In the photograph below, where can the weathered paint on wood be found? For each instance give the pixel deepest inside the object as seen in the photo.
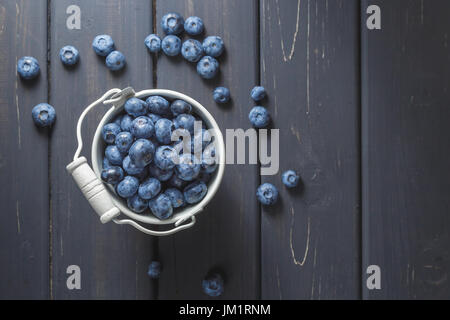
(227, 233)
(309, 66)
(24, 226)
(113, 259)
(405, 114)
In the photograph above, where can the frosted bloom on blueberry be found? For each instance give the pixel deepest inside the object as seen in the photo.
(28, 68)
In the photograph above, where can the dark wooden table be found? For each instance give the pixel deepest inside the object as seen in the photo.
(363, 116)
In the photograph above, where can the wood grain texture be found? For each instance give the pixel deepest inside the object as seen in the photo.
(406, 181)
(113, 259)
(23, 155)
(309, 66)
(226, 235)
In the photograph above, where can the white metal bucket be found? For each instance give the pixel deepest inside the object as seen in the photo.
(104, 200)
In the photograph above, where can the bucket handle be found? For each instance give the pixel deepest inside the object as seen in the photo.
(93, 188)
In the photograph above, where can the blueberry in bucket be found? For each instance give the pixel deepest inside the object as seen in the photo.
(142, 152)
(161, 207)
(128, 187)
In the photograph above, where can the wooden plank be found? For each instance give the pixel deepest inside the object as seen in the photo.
(227, 232)
(113, 259)
(310, 68)
(405, 155)
(23, 155)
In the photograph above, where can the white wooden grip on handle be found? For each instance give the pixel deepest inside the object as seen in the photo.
(93, 189)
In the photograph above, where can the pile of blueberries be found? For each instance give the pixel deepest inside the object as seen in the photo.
(150, 170)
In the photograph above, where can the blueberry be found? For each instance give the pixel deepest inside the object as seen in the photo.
(142, 127)
(209, 161)
(127, 187)
(180, 106)
(290, 178)
(161, 207)
(123, 141)
(137, 204)
(172, 23)
(185, 121)
(115, 61)
(106, 164)
(195, 192)
(44, 115)
(176, 197)
(158, 105)
(201, 140)
(165, 157)
(163, 130)
(117, 120)
(69, 55)
(259, 117)
(154, 269)
(221, 95)
(149, 188)
(126, 122)
(194, 26)
(153, 43)
(208, 67)
(213, 46)
(171, 45)
(213, 285)
(131, 168)
(192, 50)
(267, 194)
(135, 107)
(103, 45)
(142, 152)
(112, 175)
(161, 175)
(154, 117)
(113, 155)
(142, 175)
(258, 93)
(177, 182)
(28, 67)
(109, 132)
(188, 167)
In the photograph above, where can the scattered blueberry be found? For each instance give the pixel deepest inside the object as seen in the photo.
(149, 188)
(137, 204)
(221, 95)
(165, 157)
(109, 132)
(44, 115)
(176, 197)
(192, 50)
(213, 46)
(259, 117)
(131, 168)
(208, 67)
(258, 93)
(195, 192)
(185, 121)
(172, 23)
(135, 107)
(112, 175)
(113, 155)
(267, 194)
(154, 269)
(127, 187)
(115, 61)
(213, 285)
(161, 207)
(142, 128)
(158, 105)
(103, 45)
(180, 106)
(161, 175)
(290, 178)
(194, 26)
(171, 45)
(123, 141)
(28, 67)
(69, 55)
(142, 152)
(153, 43)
